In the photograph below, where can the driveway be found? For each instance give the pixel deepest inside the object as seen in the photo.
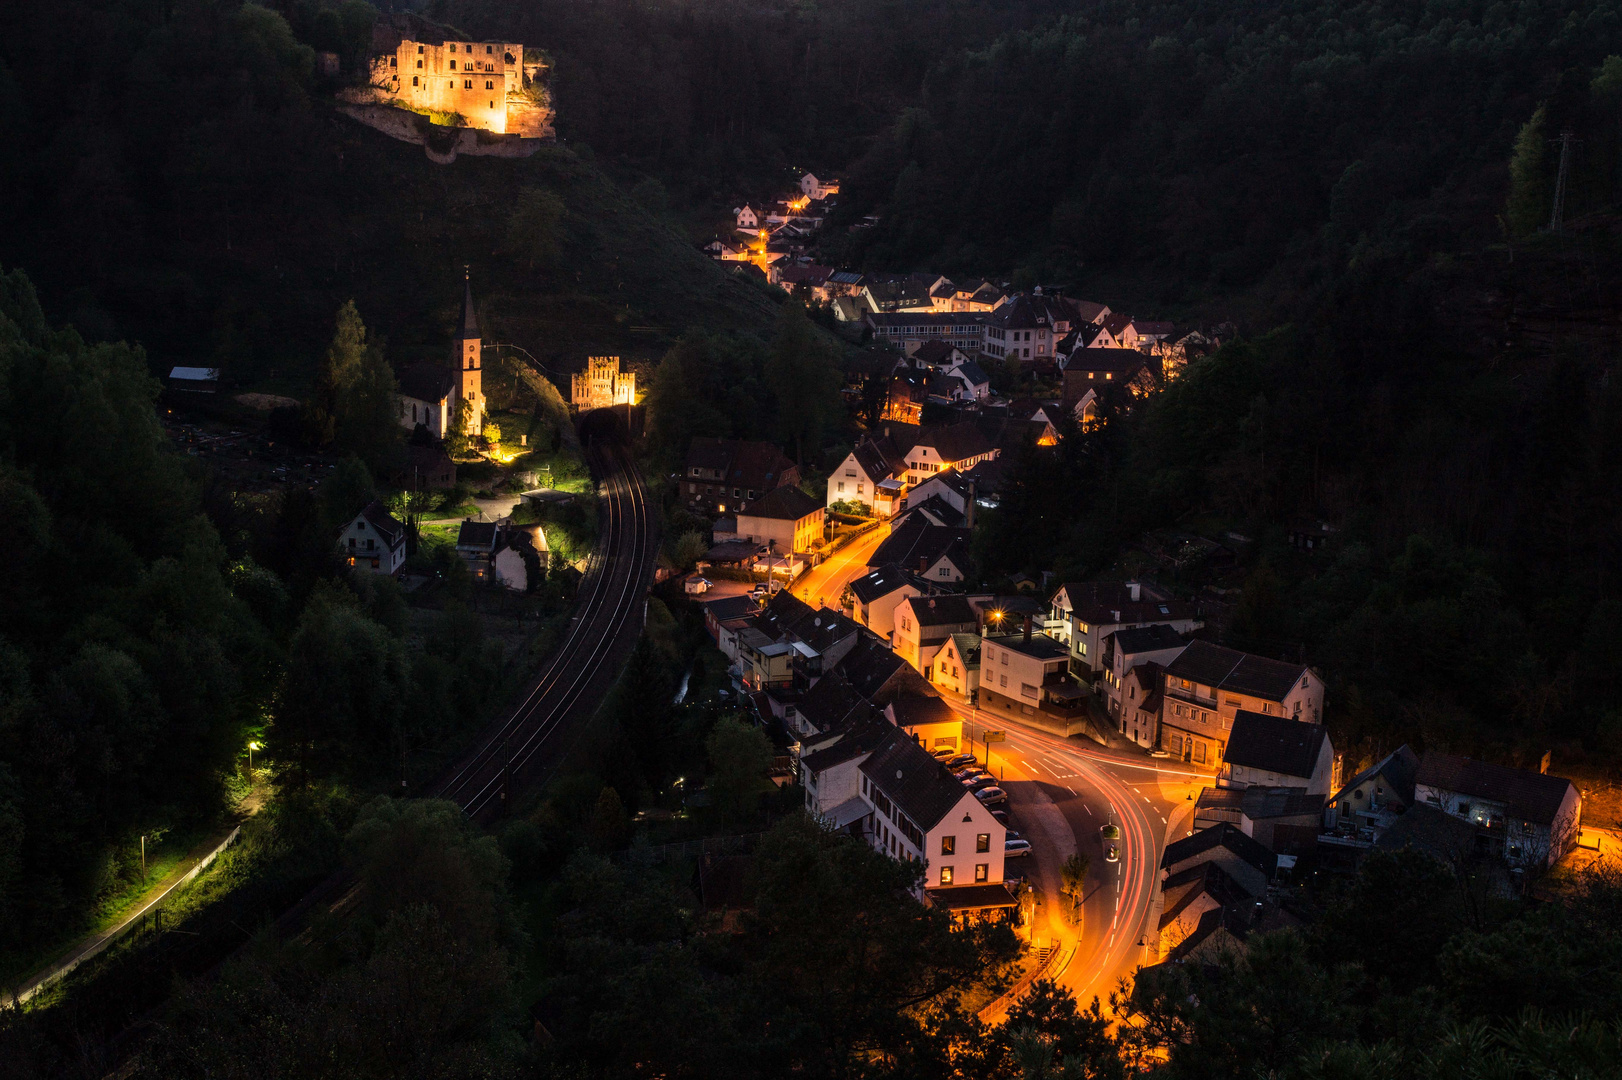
(823, 585)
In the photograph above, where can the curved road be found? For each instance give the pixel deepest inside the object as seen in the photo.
(1062, 792)
(609, 615)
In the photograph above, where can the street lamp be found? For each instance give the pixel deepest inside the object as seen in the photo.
(252, 746)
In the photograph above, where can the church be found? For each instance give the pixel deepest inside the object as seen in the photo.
(431, 394)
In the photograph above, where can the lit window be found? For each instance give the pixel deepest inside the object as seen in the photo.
(982, 872)
(946, 875)
(948, 845)
(982, 842)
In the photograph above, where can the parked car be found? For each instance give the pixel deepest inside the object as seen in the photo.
(969, 773)
(1112, 853)
(696, 586)
(1001, 816)
(1011, 848)
(942, 755)
(1157, 752)
(961, 760)
(980, 783)
(1111, 831)
(991, 796)
(1014, 834)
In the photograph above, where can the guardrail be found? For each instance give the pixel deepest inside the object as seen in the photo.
(98, 944)
(1012, 995)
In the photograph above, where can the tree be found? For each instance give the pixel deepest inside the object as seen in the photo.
(458, 441)
(686, 549)
(803, 378)
(609, 827)
(354, 406)
(535, 228)
(740, 756)
(1528, 176)
(1073, 877)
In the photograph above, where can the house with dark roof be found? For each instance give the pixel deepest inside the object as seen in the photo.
(725, 616)
(1141, 698)
(872, 598)
(878, 674)
(929, 720)
(923, 623)
(785, 520)
(950, 487)
(1083, 614)
(1285, 820)
(1528, 819)
(921, 813)
(373, 540)
(1023, 674)
(1026, 329)
(905, 331)
(1278, 751)
(1126, 649)
(957, 666)
(1246, 861)
(938, 354)
(938, 554)
(873, 474)
(935, 510)
(1208, 685)
(721, 476)
(1370, 800)
(832, 778)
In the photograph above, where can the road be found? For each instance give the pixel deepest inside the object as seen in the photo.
(609, 616)
(823, 585)
(1062, 792)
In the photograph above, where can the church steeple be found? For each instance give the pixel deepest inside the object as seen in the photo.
(468, 348)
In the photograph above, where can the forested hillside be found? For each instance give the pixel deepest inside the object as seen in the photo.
(192, 189)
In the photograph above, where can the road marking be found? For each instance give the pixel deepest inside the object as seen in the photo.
(1084, 806)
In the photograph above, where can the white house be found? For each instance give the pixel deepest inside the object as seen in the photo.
(818, 189)
(1529, 819)
(874, 596)
(1207, 686)
(374, 540)
(921, 813)
(1125, 650)
(923, 624)
(1084, 614)
(1278, 752)
(747, 217)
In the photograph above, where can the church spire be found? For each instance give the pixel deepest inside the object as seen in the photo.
(470, 322)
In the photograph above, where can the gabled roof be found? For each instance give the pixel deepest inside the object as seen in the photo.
(933, 352)
(786, 503)
(941, 610)
(1529, 795)
(1115, 322)
(432, 383)
(973, 373)
(1118, 362)
(1086, 311)
(1262, 803)
(833, 704)
(870, 665)
(1432, 830)
(825, 628)
(968, 647)
(911, 710)
(882, 582)
(1141, 639)
(1110, 603)
(478, 535)
(936, 510)
(1275, 744)
(860, 740)
(1396, 771)
(918, 784)
(724, 608)
(948, 478)
(1229, 669)
(1220, 836)
(954, 442)
(378, 516)
(916, 544)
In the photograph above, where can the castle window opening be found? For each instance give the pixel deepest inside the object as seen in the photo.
(413, 80)
(453, 48)
(419, 65)
(453, 64)
(489, 85)
(489, 49)
(419, 50)
(467, 84)
(394, 61)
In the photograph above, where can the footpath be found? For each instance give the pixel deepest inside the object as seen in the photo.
(150, 905)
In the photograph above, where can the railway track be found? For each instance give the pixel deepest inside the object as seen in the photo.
(530, 736)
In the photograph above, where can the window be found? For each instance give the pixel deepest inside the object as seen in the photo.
(858, 489)
(841, 485)
(489, 50)
(467, 84)
(419, 53)
(1199, 752)
(1176, 746)
(946, 875)
(351, 542)
(453, 62)
(943, 571)
(982, 872)
(394, 61)
(1027, 690)
(1004, 681)
(982, 842)
(1005, 657)
(489, 84)
(948, 845)
(453, 48)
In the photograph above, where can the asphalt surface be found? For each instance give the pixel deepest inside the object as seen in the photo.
(1062, 792)
(822, 586)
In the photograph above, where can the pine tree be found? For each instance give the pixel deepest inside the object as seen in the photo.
(1528, 176)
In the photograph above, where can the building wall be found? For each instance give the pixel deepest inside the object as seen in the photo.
(849, 483)
(832, 786)
(879, 616)
(772, 531)
(602, 385)
(965, 857)
(1087, 640)
(1115, 678)
(1204, 719)
(1012, 674)
(422, 76)
(434, 414)
(953, 674)
(472, 383)
(361, 545)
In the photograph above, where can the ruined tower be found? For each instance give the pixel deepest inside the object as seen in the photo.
(468, 344)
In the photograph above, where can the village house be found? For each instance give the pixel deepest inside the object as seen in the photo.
(1024, 673)
(1140, 704)
(871, 599)
(923, 624)
(936, 354)
(905, 331)
(1124, 651)
(785, 520)
(814, 188)
(921, 813)
(936, 553)
(728, 475)
(1208, 685)
(513, 555)
(957, 666)
(1084, 614)
(1284, 820)
(1278, 752)
(1212, 894)
(971, 295)
(1025, 329)
(725, 616)
(1527, 819)
(948, 487)
(832, 776)
(928, 720)
(1367, 799)
(373, 540)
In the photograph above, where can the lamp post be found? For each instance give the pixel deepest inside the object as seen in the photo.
(252, 746)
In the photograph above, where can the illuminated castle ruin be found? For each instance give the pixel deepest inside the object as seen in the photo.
(489, 85)
(602, 385)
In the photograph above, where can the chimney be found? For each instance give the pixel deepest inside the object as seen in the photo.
(1135, 589)
(1027, 629)
(923, 564)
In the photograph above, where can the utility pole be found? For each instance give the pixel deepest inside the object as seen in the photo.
(1557, 215)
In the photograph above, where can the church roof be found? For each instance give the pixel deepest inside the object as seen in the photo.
(470, 321)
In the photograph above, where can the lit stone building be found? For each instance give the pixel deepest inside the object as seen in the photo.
(487, 83)
(602, 385)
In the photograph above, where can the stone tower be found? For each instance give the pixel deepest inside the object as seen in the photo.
(468, 344)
